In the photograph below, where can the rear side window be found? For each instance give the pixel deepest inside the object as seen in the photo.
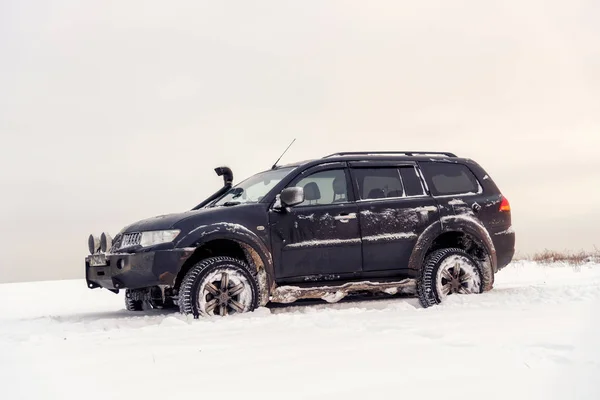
(378, 183)
(449, 179)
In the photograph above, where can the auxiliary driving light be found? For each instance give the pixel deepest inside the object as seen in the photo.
(93, 244)
(105, 242)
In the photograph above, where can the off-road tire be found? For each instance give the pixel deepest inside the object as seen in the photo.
(131, 304)
(188, 292)
(427, 285)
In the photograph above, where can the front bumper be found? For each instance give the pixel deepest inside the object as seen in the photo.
(136, 270)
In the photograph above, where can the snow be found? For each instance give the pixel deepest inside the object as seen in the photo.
(536, 335)
(227, 225)
(456, 202)
(325, 216)
(334, 297)
(506, 232)
(324, 242)
(390, 236)
(332, 294)
(425, 209)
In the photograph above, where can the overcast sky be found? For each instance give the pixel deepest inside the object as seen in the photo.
(111, 112)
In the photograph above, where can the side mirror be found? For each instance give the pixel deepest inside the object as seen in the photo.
(291, 196)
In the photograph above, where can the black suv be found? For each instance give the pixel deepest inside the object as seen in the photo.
(362, 223)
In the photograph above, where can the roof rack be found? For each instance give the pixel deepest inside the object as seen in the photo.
(407, 153)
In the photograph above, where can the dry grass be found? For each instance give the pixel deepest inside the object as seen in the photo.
(575, 258)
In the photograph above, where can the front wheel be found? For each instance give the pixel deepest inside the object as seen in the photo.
(448, 272)
(218, 286)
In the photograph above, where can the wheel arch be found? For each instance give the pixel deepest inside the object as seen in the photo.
(460, 232)
(233, 241)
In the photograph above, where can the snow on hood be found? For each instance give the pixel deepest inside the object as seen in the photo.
(155, 223)
(166, 221)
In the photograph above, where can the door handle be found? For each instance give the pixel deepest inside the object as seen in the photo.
(345, 217)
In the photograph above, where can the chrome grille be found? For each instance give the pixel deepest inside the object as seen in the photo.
(131, 239)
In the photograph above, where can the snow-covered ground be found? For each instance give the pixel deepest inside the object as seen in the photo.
(535, 336)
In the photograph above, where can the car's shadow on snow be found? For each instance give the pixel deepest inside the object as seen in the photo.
(109, 315)
(300, 306)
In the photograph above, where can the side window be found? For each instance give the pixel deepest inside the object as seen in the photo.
(412, 183)
(449, 179)
(324, 187)
(378, 183)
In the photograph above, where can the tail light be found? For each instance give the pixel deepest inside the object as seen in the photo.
(505, 205)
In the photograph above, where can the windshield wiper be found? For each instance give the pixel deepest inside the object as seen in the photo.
(231, 203)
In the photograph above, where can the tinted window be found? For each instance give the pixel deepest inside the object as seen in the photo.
(324, 187)
(412, 182)
(448, 179)
(378, 183)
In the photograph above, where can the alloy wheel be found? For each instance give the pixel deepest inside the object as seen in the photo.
(224, 292)
(458, 275)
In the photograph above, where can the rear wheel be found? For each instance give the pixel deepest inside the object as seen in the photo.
(148, 299)
(133, 301)
(218, 286)
(448, 272)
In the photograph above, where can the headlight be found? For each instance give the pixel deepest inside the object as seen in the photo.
(152, 238)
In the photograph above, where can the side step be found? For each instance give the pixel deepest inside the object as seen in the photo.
(333, 294)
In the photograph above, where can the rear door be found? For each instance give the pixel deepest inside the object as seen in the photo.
(394, 209)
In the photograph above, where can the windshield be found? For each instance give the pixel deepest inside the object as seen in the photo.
(253, 189)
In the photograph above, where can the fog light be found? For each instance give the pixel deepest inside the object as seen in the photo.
(105, 242)
(93, 244)
(120, 263)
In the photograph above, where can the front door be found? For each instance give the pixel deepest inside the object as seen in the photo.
(319, 239)
(394, 209)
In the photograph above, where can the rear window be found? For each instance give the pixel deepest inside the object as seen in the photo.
(449, 179)
(388, 182)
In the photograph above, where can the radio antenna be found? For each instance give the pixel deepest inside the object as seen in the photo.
(275, 165)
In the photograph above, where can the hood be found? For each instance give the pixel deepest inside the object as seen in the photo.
(172, 221)
(161, 222)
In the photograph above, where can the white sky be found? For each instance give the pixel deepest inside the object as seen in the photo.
(111, 112)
